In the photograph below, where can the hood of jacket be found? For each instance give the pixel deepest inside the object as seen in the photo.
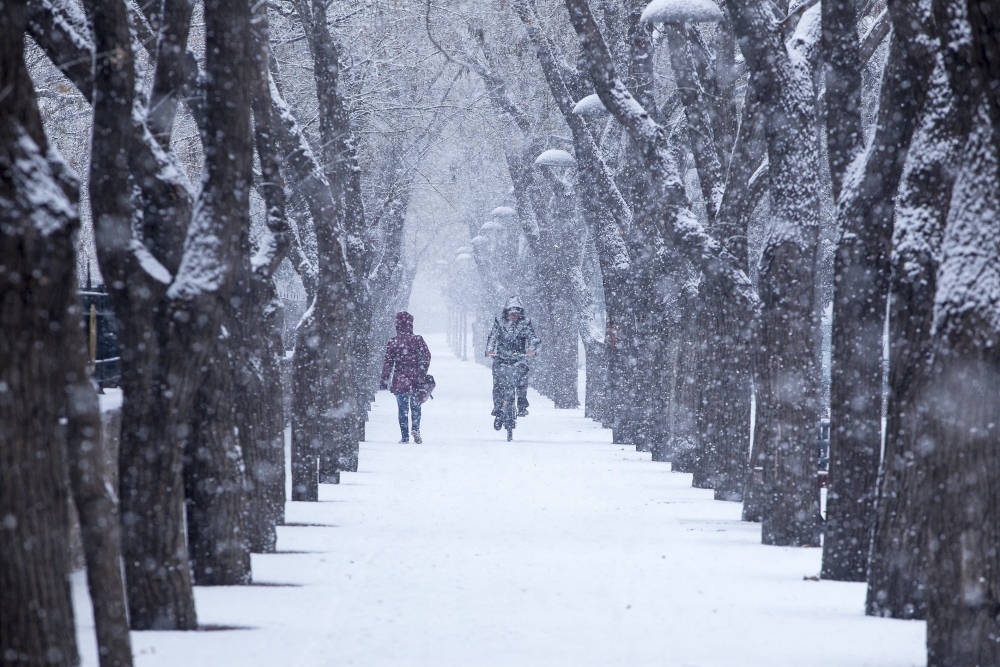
(404, 323)
(513, 303)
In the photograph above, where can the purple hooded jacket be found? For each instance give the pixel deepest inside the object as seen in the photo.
(408, 354)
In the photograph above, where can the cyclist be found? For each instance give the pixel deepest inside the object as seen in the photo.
(510, 342)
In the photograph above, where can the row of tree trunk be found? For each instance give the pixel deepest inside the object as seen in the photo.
(201, 469)
(700, 325)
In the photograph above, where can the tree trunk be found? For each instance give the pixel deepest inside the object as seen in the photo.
(214, 482)
(785, 360)
(666, 224)
(728, 377)
(344, 176)
(963, 464)
(97, 506)
(213, 471)
(169, 76)
(861, 282)
(151, 490)
(687, 393)
(898, 554)
(339, 450)
(37, 310)
(682, 42)
(260, 408)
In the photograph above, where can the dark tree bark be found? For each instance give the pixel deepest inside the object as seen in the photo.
(640, 331)
(667, 215)
(854, 413)
(388, 271)
(963, 475)
(340, 166)
(213, 473)
(963, 586)
(785, 360)
(174, 25)
(214, 479)
(682, 41)
(51, 30)
(170, 347)
(861, 283)
(159, 586)
(711, 443)
(323, 401)
(725, 113)
(340, 163)
(697, 431)
(731, 361)
(686, 442)
(41, 318)
(321, 336)
(261, 411)
(97, 507)
(896, 570)
(558, 252)
(842, 74)
(96, 504)
(640, 73)
(740, 198)
(145, 338)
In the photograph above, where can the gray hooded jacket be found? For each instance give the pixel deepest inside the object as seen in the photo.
(509, 341)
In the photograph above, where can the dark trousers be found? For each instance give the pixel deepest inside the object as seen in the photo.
(408, 406)
(516, 373)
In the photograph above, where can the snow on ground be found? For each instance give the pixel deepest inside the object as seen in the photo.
(111, 399)
(559, 549)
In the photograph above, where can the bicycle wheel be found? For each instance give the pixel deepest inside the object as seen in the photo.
(509, 416)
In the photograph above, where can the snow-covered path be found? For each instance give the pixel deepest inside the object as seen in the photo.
(557, 549)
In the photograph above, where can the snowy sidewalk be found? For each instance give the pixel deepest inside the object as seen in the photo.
(557, 549)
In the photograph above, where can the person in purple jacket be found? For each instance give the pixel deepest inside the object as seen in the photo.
(408, 355)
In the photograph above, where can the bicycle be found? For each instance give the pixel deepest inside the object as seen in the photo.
(508, 375)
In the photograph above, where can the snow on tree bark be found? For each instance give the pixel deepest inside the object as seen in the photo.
(896, 570)
(151, 490)
(787, 412)
(320, 338)
(340, 162)
(963, 544)
(963, 589)
(260, 407)
(682, 41)
(666, 215)
(39, 336)
(861, 283)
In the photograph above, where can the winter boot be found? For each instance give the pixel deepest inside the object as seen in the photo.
(498, 423)
(416, 436)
